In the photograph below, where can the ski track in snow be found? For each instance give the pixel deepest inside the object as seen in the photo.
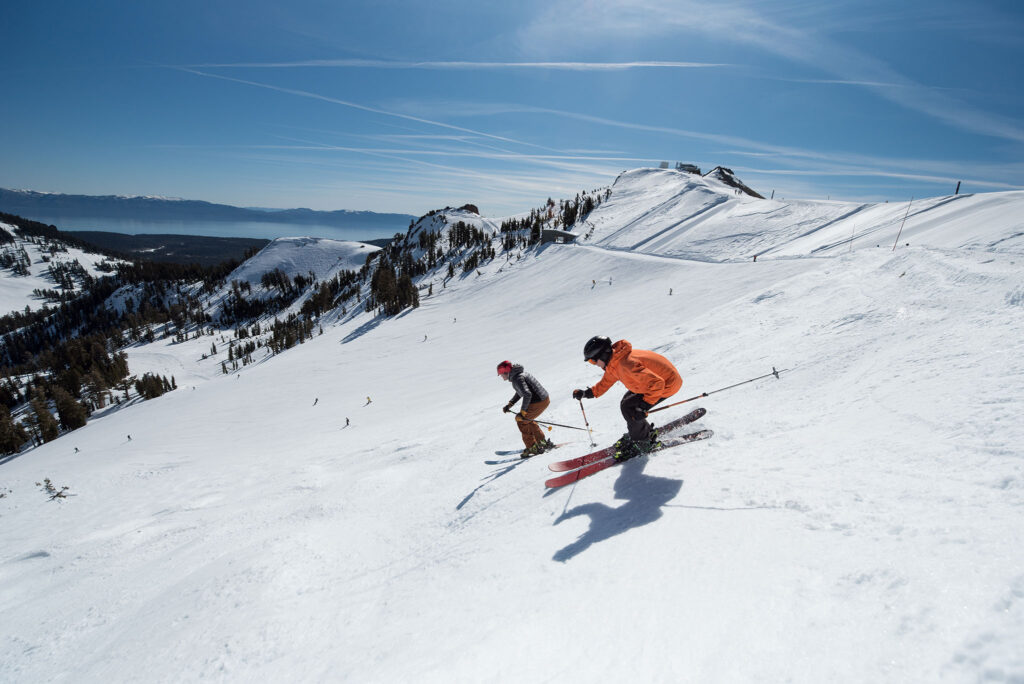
(858, 519)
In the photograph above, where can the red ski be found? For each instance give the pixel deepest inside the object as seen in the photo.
(580, 461)
(609, 460)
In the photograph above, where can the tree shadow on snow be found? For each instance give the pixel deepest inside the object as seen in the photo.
(373, 323)
(363, 329)
(645, 496)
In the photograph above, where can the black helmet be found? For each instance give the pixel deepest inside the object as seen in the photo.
(598, 348)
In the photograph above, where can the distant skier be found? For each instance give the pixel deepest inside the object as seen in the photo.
(535, 401)
(649, 378)
(368, 401)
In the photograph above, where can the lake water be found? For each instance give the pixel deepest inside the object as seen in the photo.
(236, 229)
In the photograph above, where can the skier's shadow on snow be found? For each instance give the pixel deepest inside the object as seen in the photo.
(645, 496)
(489, 479)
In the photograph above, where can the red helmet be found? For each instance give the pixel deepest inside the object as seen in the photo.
(504, 367)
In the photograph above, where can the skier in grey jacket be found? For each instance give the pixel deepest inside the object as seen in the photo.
(535, 401)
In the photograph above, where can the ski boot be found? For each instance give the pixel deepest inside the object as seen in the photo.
(625, 448)
(649, 444)
(532, 450)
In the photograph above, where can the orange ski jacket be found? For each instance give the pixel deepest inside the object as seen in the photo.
(641, 371)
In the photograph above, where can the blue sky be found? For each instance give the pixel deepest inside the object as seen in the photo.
(396, 106)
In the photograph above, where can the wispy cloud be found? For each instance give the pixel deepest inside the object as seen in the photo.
(812, 162)
(501, 192)
(460, 65)
(805, 162)
(355, 105)
(474, 154)
(836, 81)
(778, 29)
(557, 160)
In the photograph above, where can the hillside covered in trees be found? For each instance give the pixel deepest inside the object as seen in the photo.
(65, 360)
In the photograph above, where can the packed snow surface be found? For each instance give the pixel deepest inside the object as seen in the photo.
(329, 515)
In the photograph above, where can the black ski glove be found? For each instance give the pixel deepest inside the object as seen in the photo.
(507, 408)
(582, 394)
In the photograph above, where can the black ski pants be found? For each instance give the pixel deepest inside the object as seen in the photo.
(636, 419)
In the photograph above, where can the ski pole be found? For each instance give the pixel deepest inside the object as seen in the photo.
(541, 422)
(587, 423)
(707, 394)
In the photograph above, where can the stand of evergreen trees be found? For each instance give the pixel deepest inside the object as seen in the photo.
(62, 362)
(151, 386)
(391, 290)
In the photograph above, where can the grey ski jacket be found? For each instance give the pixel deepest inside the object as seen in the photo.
(526, 386)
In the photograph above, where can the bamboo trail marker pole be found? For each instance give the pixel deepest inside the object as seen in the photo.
(901, 225)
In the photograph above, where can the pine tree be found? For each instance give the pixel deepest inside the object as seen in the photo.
(72, 414)
(43, 424)
(94, 390)
(126, 385)
(12, 435)
(10, 396)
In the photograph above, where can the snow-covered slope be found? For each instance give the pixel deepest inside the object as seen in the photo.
(17, 290)
(859, 519)
(672, 213)
(302, 256)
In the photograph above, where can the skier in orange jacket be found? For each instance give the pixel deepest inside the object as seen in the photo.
(649, 378)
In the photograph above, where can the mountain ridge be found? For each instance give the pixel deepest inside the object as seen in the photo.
(30, 202)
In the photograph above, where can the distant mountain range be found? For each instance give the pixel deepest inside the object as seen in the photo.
(31, 204)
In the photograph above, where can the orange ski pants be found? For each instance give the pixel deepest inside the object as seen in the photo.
(531, 431)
